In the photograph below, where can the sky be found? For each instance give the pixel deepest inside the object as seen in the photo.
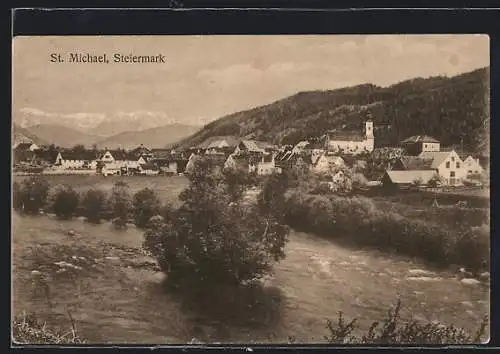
(206, 77)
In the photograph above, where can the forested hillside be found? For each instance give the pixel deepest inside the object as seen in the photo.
(449, 109)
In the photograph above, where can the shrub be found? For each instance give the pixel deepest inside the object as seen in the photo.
(93, 205)
(146, 204)
(64, 201)
(120, 204)
(473, 248)
(33, 194)
(214, 237)
(393, 330)
(28, 329)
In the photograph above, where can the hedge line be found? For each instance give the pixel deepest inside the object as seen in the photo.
(358, 220)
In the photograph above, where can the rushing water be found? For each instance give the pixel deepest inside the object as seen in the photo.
(123, 304)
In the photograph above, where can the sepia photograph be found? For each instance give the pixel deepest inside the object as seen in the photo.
(250, 189)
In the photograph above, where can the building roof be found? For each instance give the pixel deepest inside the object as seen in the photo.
(86, 155)
(121, 155)
(283, 155)
(214, 141)
(23, 146)
(420, 139)
(409, 176)
(141, 150)
(437, 157)
(148, 166)
(416, 163)
(255, 146)
(345, 136)
(301, 144)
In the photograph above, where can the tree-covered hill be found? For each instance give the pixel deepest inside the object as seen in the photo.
(449, 109)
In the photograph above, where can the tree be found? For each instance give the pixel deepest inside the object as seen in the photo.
(435, 181)
(120, 204)
(216, 236)
(64, 201)
(79, 148)
(93, 205)
(417, 182)
(33, 194)
(146, 205)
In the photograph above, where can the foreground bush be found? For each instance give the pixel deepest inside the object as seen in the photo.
(357, 220)
(31, 196)
(393, 330)
(146, 204)
(93, 205)
(64, 201)
(27, 329)
(120, 204)
(215, 237)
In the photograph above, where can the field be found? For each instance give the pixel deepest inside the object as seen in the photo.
(116, 295)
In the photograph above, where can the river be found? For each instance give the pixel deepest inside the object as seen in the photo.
(317, 279)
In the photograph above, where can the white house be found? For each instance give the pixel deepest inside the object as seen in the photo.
(148, 169)
(266, 166)
(448, 165)
(472, 166)
(352, 143)
(76, 160)
(416, 144)
(122, 158)
(111, 168)
(322, 162)
(407, 177)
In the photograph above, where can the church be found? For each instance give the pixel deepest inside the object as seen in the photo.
(351, 143)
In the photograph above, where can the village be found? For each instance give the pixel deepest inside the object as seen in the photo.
(418, 161)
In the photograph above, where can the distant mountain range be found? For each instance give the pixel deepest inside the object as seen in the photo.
(97, 124)
(453, 110)
(63, 136)
(23, 135)
(158, 137)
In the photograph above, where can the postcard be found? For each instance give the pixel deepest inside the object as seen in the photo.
(244, 189)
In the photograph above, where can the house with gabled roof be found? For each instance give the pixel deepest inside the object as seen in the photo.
(412, 163)
(141, 150)
(416, 144)
(218, 145)
(322, 162)
(407, 178)
(86, 159)
(448, 165)
(252, 146)
(472, 166)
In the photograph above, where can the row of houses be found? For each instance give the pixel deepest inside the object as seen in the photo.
(418, 158)
(425, 161)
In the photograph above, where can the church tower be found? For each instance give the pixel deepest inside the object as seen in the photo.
(370, 139)
(369, 129)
